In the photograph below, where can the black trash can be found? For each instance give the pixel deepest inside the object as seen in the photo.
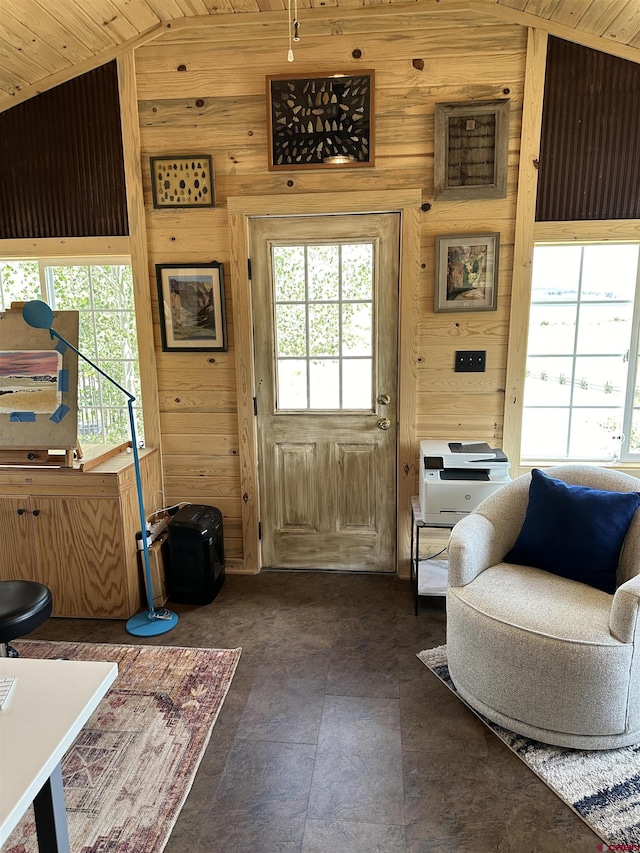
(196, 555)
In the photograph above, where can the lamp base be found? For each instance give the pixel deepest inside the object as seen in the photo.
(146, 625)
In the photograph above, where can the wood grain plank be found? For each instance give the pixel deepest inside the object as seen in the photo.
(92, 32)
(626, 24)
(35, 16)
(523, 254)
(139, 249)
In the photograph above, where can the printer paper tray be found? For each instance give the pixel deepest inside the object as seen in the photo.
(442, 519)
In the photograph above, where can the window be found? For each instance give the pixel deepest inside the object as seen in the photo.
(101, 290)
(582, 397)
(324, 323)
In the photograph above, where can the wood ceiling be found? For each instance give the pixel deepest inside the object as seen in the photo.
(44, 43)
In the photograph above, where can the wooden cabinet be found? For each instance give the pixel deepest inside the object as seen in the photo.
(75, 532)
(17, 555)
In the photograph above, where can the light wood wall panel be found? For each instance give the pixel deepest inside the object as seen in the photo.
(217, 105)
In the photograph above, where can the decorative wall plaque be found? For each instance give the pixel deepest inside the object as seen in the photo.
(471, 150)
(321, 121)
(182, 181)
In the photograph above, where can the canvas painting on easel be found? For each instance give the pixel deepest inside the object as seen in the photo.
(38, 384)
(29, 381)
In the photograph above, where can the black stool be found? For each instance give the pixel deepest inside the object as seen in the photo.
(24, 605)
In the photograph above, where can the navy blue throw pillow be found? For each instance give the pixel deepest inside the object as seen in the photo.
(574, 531)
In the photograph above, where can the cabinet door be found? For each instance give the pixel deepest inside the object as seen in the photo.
(17, 555)
(80, 555)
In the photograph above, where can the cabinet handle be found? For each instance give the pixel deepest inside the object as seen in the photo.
(36, 512)
(21, 511)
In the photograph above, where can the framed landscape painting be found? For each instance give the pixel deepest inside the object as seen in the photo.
(467, 272)
(192, 309)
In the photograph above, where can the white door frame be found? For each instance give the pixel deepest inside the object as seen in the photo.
(240, 211)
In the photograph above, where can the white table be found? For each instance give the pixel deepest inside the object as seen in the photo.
(49, 703)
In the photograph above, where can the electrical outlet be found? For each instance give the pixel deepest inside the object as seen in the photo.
(471, 361)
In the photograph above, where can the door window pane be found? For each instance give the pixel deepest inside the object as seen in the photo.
(357, 271)
(323, 269)
(356, 328)
(356, 384)
(324, 384)
(292, 384)
(324, 326)
(324, 329)
(291, 330)
(288, 273)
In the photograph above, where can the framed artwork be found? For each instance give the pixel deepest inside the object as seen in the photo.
(467, 272)
(192, 309)
(38, 384)
(182, 181)
(29, 381)
(321, 122)
(471, 150)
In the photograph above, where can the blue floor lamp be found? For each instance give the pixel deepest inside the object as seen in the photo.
(40, 316)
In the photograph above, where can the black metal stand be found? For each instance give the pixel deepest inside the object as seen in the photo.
(417, 524)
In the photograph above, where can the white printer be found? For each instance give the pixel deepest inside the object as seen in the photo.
(455, 476)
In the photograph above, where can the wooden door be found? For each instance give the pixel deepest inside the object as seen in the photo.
(17, 555)
(325, 302)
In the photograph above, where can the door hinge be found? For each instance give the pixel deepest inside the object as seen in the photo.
(255, 407)
(259, 530)
(249, 268)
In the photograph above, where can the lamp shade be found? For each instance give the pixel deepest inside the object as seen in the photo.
(37, 314)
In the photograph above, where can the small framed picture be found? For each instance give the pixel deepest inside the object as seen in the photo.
(178, 181)
(467, 272)
(192, 309)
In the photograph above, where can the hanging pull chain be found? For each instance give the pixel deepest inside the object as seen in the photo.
(296, 22)
(290, 54)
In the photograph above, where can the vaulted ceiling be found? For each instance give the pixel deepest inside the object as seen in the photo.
(43, 44)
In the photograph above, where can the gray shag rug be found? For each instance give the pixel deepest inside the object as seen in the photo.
(601, 786)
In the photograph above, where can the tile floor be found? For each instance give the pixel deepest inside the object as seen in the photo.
(335, 738)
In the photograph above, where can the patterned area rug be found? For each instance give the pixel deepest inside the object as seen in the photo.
(128, 773)
(601, 786)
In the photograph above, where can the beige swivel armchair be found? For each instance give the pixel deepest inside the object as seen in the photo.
(545, 656)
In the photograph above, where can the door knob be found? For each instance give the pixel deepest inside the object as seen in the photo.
(384, 399)
(384, 423)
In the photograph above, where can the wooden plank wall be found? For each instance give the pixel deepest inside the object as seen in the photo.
(202, 89)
